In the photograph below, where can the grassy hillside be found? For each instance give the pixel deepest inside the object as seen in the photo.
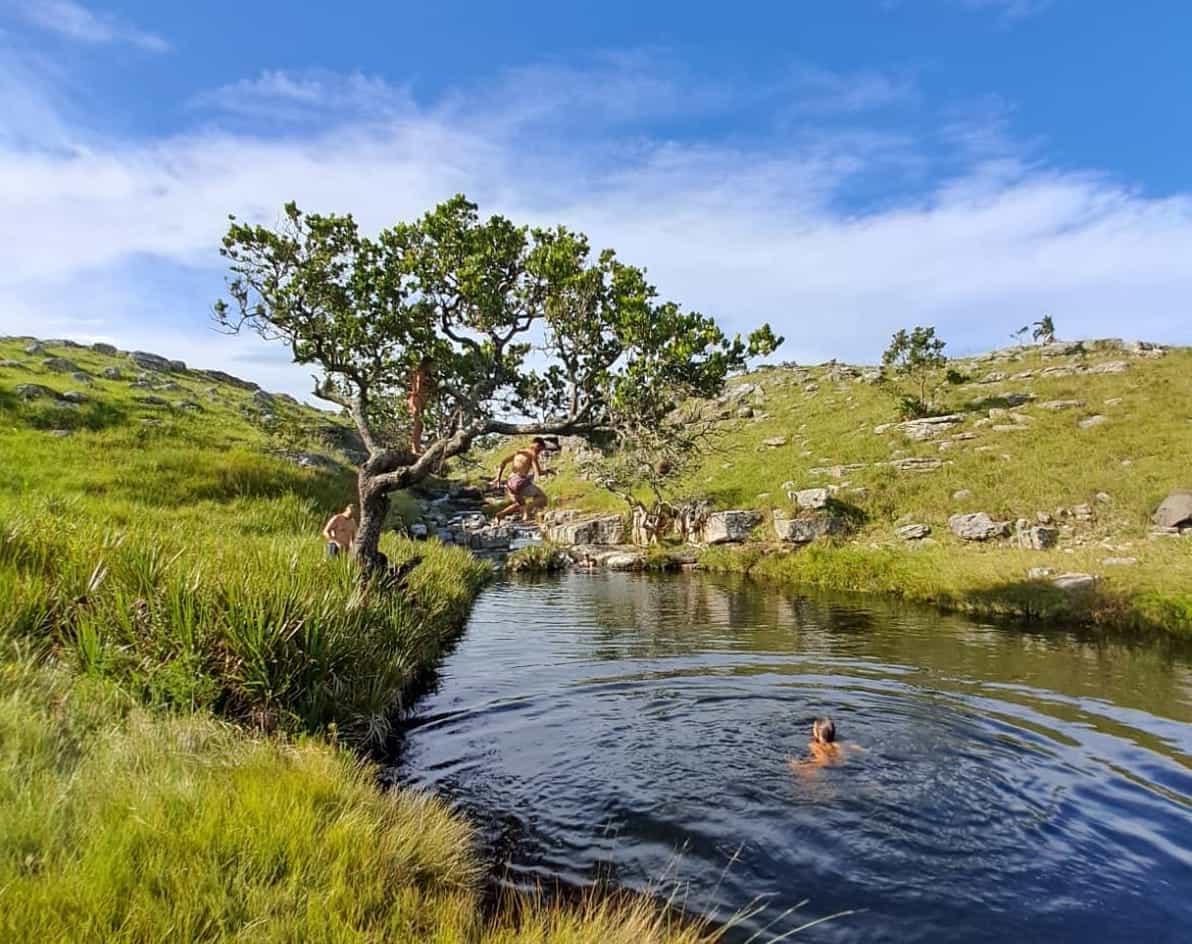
(1011, 461)
(182, 673)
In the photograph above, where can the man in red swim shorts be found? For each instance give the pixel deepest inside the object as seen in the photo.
(520, 488)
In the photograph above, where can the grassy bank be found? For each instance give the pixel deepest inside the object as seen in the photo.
(1094, 440)
(185, 679)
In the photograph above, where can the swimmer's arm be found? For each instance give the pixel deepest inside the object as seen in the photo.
(501, 468)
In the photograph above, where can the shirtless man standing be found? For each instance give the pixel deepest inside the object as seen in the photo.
(520, 487)
(420, 384)
(340, 531)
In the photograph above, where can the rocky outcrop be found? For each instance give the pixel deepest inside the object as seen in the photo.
(112, 373)
(568, 529)
(928, 427)
(231, 380)
(978, 527)
(99, 347)
(1057, 405)
(810, 499)
(729, 527)
(147, 361)
(1175, 511)
(61, 365)
(1074, 583)
(913, 532)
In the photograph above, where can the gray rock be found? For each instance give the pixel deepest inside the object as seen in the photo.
(99, 347)
(74, 396)
(1039, 573)
(179, 367)
(729, 527)
(147, 361)
(913, 532)
(1092, 421)
(917, 464)
(1061, 348)
(170, 386)
(262, 398)
(9, 362)
(626, 561)
(152, 422)
(151, 401)
(35, 348)
(191, 405)
(85, 379)
(490, 538)
(1056, 405)
(1120, 561)
(112, 373)
(807, 527)
(811, 499)
(1074, 583)
(1110, 367)
(775, 442)
(961, 494)
(1036, 538)
(1175, 511)
(61, 365)
(1082, 512)
(978, 527)
(35, 392)
(419, 531)
(603, 530)
(745, 413)
(59, 433)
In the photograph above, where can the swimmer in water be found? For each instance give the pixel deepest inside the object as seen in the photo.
(826, 751)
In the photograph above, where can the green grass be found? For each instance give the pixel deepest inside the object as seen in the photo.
(184, 681)
(1136, 457)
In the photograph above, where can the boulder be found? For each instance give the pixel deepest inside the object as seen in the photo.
(151, 401)
(913, 532)
(61, 365)
(1074, 583)
(262, 398)
(978, 527)
(604, 530)
(178, 367)
(775, 442)
(112, 373)
(99, 347)
(625, 561)
(1039, 573)
(1057, 405)
(147, 361)
(35, 348)
(1120, 561)
(59, 433)
(74, 396)
(1091, 421)
(745, 413)
(193, 405)
(9, 362)
(419, 531)
(1175, 511)
(82, 378)
(807, 527)
(729, 527)
(35, 392)
(810, 499)
(1110, 367)
(917, 464)
(1061, 349)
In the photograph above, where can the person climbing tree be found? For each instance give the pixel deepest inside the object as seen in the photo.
(420, 389)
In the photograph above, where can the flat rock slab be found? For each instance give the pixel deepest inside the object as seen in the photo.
(1074, 583)
(603, 530)
(913, 532)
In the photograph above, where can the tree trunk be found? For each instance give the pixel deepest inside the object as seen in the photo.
(374, 508)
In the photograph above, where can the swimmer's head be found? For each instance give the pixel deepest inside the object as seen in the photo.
(823, 730)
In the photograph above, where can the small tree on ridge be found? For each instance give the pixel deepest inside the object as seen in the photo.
(917, 357)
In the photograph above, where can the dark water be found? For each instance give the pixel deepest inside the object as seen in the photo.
(1013, 785)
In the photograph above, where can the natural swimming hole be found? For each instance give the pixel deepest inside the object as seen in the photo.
(1015, 783)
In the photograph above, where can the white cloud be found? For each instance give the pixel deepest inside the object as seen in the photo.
(127, 232)
(1012, 9)
(75, 22)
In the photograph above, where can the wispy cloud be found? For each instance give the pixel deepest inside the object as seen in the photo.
(973, 241)
(1011, 9)
(75, 22)
(312, 95)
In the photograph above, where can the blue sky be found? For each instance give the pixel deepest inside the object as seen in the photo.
(840, 169)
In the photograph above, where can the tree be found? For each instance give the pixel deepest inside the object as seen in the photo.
(525, 331)
(1020, 334)
(917, 357)
(1044, 331)
(645, 463)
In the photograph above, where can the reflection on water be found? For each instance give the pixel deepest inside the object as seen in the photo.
(1029, 784)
